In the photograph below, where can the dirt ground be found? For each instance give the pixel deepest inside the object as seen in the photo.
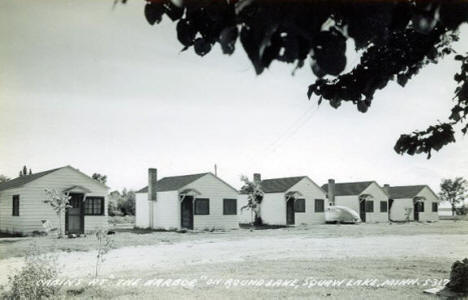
(17, 247)
(366, 251)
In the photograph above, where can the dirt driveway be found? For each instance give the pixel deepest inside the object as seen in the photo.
(165, 257)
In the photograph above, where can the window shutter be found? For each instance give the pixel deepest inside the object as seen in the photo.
(299, 205)
(202, 206)
(319, 205)
(94, 206)
(102, 206)
(15, 206)
(369, 206)
(383, 206)
(230, 206)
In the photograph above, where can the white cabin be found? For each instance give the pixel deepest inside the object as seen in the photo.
(23, 211)
(287, 201)
(413, 203)
(367, 198)
(197, 201)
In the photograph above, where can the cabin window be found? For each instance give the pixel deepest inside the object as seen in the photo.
(383, 206)
(421, 207)
(369, 206)
(299, 205)
(94, 206)
(15, 210)
(435, 207)
(319, 205)
(202, 206)
(230, 206)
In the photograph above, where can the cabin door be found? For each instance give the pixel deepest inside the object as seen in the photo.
(390, 203)
(290, 212)
(362, 210)
(74, 215)
(186, 213)
(416, 210)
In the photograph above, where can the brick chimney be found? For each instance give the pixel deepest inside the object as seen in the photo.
(257, 178)
(386, 188)
(152, 193)
(331, 191)
(152, 179)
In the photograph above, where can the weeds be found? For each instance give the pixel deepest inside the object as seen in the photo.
(105, 244)
(31, 280)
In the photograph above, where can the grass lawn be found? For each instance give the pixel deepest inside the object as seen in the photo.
(121, 220)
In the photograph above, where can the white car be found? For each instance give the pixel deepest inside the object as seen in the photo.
(341, 214)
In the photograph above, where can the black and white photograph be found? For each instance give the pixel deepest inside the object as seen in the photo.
(233, 149)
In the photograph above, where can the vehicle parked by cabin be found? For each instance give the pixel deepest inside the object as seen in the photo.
(341, 215)
(366, 198)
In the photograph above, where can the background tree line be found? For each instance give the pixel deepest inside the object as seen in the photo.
(119, 203)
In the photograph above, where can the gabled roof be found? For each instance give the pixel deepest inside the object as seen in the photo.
(279, 185)
(405, 191)
(22, 180)
(349, 188)
(173, 183)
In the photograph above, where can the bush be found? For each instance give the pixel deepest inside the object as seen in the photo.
(30, 281)
(116, 213)
(105, 244)
(459, 277)
(258, 221)
(112, 209)
(461, 211)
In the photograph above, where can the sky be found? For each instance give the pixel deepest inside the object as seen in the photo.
(99, 89)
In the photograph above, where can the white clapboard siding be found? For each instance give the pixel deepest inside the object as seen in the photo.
(166, 209)
(399, 212)
(273, 206)
(400, 206)
(245, 216)
(430, 197)
(214, 189)
(273, 209)
(377, 194)
(8, 223)
(141, 210)
(33, 209)
(310, 191)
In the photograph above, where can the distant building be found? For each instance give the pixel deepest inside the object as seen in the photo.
(196, 201)
(367, 198)
(23, 211)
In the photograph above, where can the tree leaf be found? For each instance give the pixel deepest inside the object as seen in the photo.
(228, 38)
(154, 12)
(202, 46)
